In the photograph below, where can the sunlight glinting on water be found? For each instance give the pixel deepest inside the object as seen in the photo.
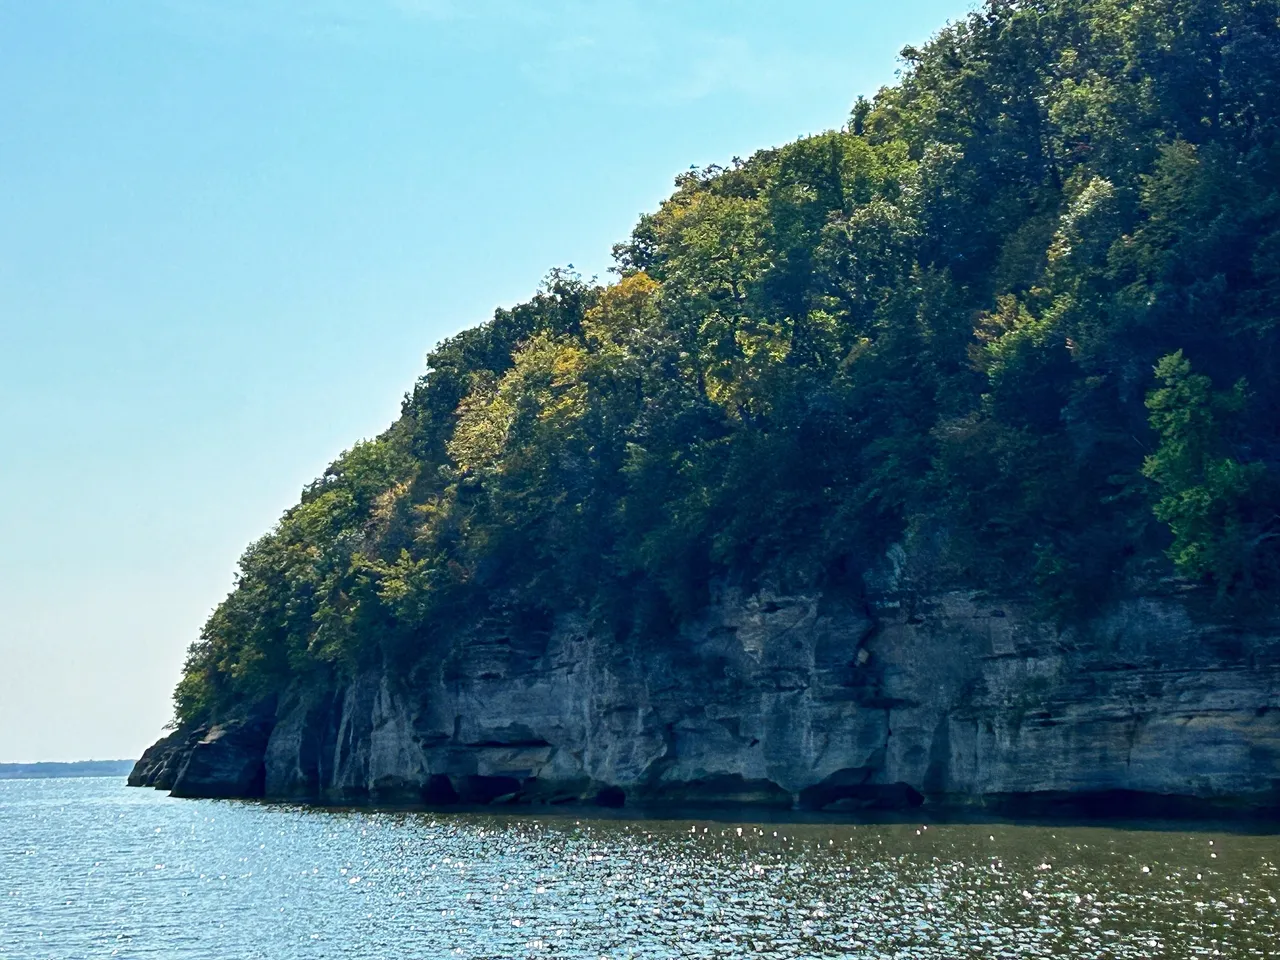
(89, 868)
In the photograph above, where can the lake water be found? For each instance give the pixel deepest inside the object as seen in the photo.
(91, 868)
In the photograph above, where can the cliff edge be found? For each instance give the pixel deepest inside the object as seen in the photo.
(799, 701)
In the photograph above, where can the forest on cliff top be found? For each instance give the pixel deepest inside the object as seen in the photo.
(1022, 312)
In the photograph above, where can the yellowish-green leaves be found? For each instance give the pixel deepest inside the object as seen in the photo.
(544, 391)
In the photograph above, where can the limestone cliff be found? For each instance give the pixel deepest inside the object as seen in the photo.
(788, 701)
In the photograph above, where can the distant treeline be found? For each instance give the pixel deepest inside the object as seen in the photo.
(77, 768)
(1020, 314)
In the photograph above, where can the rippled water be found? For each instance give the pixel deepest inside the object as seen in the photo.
(90, 868)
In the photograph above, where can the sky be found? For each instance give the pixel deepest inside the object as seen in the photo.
(231, 229)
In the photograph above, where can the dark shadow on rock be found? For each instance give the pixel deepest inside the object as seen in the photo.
(848, 790)
(720, 790)
(612, 797)
(439, 791)
(478, 789)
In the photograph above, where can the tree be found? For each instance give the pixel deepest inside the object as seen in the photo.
(1208, 499)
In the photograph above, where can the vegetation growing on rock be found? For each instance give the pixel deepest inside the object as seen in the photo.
(1024, 306)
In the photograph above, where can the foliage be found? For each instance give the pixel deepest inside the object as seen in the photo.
(966, 318)
(1211, 502)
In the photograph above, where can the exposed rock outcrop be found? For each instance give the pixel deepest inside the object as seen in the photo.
(224, 760)
(157, 767)
(798, 701)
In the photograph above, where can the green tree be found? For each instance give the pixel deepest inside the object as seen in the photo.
(1208, 499)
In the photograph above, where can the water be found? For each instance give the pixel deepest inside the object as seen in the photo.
(90, 868)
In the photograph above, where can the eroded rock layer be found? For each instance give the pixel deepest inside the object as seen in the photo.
(796, 701)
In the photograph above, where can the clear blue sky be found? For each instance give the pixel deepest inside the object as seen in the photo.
(230, 229)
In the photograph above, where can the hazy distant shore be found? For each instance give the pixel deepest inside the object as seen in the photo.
(77, 768)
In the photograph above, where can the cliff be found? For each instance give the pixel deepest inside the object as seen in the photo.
(1017, 316)
(801, 701)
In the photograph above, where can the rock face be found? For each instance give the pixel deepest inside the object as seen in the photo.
(799, 701)
(225, 760)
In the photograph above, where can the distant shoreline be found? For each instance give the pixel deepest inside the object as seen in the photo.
(76, 768)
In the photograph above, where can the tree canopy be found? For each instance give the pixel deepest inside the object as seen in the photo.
(1023, 308)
